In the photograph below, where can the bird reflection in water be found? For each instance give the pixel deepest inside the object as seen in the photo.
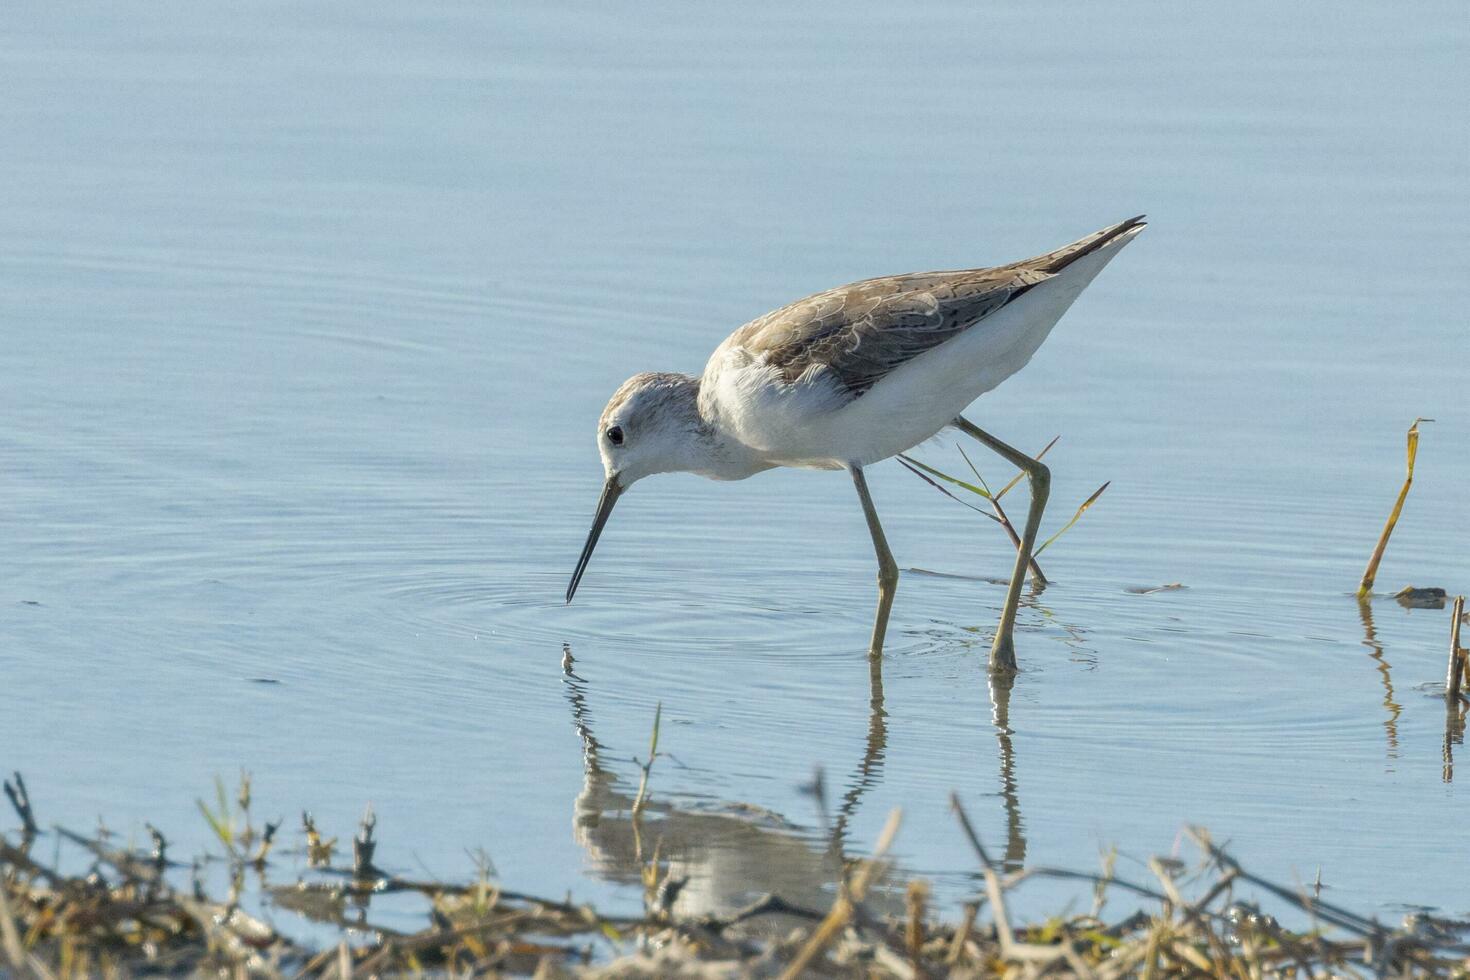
(724, 858)
(869, 771)
(1000, 717)
(727, 858)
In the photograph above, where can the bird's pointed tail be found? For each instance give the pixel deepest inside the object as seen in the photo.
(1054, 262)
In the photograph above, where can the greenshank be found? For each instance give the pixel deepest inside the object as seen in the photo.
(851, 376)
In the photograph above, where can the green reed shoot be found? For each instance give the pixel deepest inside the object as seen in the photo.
(937, 478)
(220, 820)
(647, 767)
(232, 824)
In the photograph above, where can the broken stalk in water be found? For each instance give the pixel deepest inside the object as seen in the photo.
(1458, 666)
(1365, 588)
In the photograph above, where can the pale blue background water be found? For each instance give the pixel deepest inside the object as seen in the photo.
(307, 314)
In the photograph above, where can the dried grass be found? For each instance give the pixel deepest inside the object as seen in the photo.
(126, 916)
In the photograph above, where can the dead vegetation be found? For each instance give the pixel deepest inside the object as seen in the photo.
(135, 912)
(1365, 587)
(1457, 671)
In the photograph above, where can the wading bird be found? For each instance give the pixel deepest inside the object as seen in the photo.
(851, 376)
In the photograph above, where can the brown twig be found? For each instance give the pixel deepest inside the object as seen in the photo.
(962, 934)
(1010, 530)
(969, 830)
(852, 891)
(1334, 914)
(21, 801)
(916, 899)
(767, 904)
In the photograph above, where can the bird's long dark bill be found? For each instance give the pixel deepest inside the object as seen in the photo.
(610, 494)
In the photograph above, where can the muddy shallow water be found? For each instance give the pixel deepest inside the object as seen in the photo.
(308, 315)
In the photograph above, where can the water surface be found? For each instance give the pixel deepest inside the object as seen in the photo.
(308, 314)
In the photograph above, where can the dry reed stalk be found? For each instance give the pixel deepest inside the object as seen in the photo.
(1034, 956)
(1457, 666)
(916, 898)
(15, 953)
(852, 892)
(1010, 949)
(57, 925)
(1193, 912)
(962, 934)
(1456, 670)
(1365, 588)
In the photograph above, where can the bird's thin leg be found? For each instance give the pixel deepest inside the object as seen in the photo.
(1003, 651)
(887, 567)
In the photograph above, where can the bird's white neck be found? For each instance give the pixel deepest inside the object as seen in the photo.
(707, 448)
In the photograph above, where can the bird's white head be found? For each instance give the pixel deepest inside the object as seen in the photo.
(650, 425)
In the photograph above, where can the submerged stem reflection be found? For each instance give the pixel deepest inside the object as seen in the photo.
(1454, 734)
(1394, 709)
(869, 770)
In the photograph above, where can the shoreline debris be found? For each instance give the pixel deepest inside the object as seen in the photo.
(123, 915)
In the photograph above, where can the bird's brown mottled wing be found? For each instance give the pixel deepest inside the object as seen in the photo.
(861, 332)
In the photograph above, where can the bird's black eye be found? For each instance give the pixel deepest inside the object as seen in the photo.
(615, 435)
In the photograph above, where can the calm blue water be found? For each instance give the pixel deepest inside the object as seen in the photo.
(307, 315)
